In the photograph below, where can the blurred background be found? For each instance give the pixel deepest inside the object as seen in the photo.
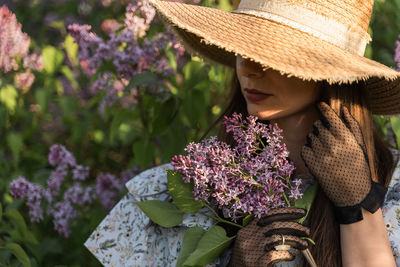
(93, 92)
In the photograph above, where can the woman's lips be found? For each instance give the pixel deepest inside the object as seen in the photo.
(254, 95)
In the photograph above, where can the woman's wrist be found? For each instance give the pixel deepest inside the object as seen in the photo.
(365, 243)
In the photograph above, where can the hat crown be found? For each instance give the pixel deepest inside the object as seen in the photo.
(341, 22)
(350, 12)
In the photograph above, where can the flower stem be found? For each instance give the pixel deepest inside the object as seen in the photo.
(217, 216)
(286, 199)
(219, 219)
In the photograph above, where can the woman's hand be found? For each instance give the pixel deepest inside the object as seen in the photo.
(335, 154)
(255, 243)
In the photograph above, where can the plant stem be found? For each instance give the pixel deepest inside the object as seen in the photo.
(286, 199)
(219, 218)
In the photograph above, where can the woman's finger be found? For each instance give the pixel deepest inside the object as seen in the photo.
(336, 125)
(315, 143)
(325, 136)
(353, 125)
(291, 240)
(281, 214)
(286, 228)
(274, 256)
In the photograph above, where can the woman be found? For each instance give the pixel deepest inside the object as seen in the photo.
(290, 103)
(288, 56)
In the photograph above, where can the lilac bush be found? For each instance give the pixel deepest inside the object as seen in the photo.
(397, 53)
(14, 51)
(250, 178)
(130, 50)
(65, 192)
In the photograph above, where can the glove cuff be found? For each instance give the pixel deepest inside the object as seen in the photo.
(372, 202)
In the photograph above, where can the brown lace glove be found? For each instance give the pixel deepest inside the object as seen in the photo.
(254, 245)
(335, 154)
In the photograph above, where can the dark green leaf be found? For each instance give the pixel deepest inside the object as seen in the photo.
(396, 128)
(182, 192)
(306, 201)
(161, 212)
(14, 141)
(189, 244)
(210, 246)
(144, 151)
(19, 253)
(143, 78)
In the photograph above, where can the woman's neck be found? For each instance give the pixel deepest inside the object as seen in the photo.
(295, 128)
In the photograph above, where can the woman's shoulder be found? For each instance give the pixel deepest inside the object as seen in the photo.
(149, 184)
(127, 237)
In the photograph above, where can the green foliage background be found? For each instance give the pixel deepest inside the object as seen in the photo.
(144, 135)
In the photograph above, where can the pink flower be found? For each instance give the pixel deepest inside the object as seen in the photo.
(13, 42)
(24, 80)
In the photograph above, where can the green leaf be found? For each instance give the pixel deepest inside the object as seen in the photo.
(52, 58)
(143, 78)
(16, 217)
(181, 192)
(306, 201)
(14, 141)
(8, 96)
(144, 152)
(42, 99)
(189, 244)
(72, 49)
(19, 253)
(247, 219)
(210, 246)
(161, 212)
(1, 212)
(395, 122)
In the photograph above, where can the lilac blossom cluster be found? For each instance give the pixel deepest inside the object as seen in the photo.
(65, 191)
(250, 178)
(397, 53)
(130, 51)
(15, 44)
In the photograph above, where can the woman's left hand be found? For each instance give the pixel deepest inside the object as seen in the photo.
(336, 155)
(255, 243)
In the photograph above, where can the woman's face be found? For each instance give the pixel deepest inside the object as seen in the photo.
(270, 95)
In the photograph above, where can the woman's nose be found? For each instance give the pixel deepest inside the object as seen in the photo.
(249, 68)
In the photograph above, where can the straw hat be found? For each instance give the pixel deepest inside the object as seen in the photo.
(308, 39)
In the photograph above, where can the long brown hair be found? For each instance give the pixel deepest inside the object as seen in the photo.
(324, 228)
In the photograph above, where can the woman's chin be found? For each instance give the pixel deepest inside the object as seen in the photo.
(263, 114)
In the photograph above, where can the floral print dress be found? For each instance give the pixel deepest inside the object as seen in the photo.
(127, 237)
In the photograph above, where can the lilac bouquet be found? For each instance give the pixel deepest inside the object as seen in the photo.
(250, 178)
(243, 181)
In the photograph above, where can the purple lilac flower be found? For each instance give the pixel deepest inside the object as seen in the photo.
(63, 213)
(13, 41)
(60, 156)
(76, 194)
(64, 197)
(397, 53)
(250, 178)
(108, 187)
(80, 172)
(21, 188)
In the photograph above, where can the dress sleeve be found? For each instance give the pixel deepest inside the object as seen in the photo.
(391, 213)
(127, 237)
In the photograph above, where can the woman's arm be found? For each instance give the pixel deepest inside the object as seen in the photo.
(365, 243)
